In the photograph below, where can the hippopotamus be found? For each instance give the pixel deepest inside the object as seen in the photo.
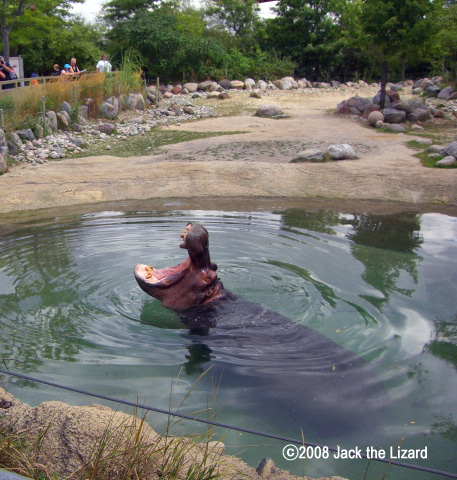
(324, 386)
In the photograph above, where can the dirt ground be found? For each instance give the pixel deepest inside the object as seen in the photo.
(249, 165)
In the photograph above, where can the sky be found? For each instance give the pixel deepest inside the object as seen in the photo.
(90, 8)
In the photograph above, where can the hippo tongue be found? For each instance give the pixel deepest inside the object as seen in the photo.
(167, 277)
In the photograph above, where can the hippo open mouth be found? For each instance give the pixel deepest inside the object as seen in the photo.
(188, 284)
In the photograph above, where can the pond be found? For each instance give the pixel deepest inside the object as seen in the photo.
(382, 287)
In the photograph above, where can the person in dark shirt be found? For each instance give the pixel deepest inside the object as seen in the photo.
(73, 67)
(6, 70)
(56, 70)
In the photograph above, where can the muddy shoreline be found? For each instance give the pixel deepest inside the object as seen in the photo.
(244, 171)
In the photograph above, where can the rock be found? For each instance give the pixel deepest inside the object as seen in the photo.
(445, 162)
(452, 96)
(65, 114)
(434, 155)
(14, 143)
(369, 109)
(432, 91)
(424, 141)
(439, 114)
(189, 110)
(309, 155)
(418, 91)
(62, 121)
(341, 152)
(263, 85)
(269, 110)
(359, 102)
(374, 117)
(238, 84)
(38, 131)
(249, 82)
(266, 467)
(391, 115)
(417, 128)
(451, 149)
(2, 138)
(223, 95)
(392, 95)
(211, 95)
(418, 115)
(445, 93)
(255, 94)
(66, 107)
(435, 149)
(77, 141)
(225, 84)
(135, 101)
(204, 85)
(26, 134)
(395, 127)
(81, 120)
(167, 95)
(3, 158)
(216, 447)
(109, 110)
(83, 112)
(176, 90)
(92, 107)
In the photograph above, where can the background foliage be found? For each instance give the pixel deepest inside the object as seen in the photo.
(318, 39)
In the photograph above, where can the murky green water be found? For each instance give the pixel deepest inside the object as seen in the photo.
(383, 287)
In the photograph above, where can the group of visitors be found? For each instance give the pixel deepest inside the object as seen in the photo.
(7, 73)
(103, 66)
(69, 69)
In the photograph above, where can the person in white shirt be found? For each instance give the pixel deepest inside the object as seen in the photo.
(103, 65)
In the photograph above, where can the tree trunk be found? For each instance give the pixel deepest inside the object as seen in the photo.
(6, 43)
(382, 102)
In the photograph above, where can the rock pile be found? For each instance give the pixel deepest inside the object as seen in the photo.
(396, 111)
(333, 152)
(27, 146)
(447, 155)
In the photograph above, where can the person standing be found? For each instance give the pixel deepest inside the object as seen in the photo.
(73, 67)
(103, 65)
(56, 70)
(7, 73)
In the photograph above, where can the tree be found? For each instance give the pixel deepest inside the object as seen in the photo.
(308, 31)
(12, 12)
(237, 16)
(395, 27)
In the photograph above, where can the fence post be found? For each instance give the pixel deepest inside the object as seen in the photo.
(157, 91)
(43, 113)
(75, 94)
(2, 120)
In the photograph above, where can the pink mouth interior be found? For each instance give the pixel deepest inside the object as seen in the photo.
(159, 274)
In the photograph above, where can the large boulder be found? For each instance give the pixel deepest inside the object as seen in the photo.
(204, 85)
(432, 91)
(53, 120)
(359, 102)
(191, 87)
(225, 84)
(309, 155)
(26, 135)
(67, 107)
(107, 128)
(445, 93)
(238, 84)
(374, 117)
(419, 115)
(451, 149)
(391, 115)
(62, 121)
(3, 158)
(446, 161)
(269, 110)
(249, 83)
(341, 152)
(14, 143)
(395, 127)
(110, 108)
(135, 101)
